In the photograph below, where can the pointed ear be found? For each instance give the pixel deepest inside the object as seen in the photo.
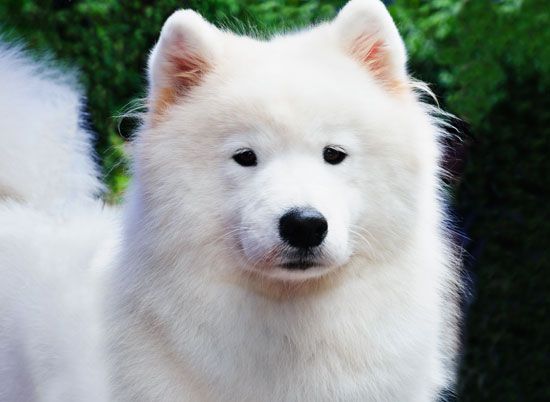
(184, 53)
(367, 32)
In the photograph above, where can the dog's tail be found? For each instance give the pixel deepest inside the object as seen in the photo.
(45, 152)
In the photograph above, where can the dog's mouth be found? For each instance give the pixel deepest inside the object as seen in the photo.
(290, 266)
(288, 263)
(299, 264)
(300, 260)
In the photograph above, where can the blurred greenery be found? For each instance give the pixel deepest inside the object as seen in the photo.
(488, 60)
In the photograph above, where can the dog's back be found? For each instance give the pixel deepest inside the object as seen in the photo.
(51, 228)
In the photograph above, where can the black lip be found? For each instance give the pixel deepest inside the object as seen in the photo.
(299, 265)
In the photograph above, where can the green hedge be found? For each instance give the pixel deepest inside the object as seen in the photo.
(490, 62)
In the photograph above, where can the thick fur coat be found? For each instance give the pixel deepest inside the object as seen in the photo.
(202, 305)
(56, 238)
(206, 297)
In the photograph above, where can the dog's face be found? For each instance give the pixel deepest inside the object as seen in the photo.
(291, 155)
(291, 177)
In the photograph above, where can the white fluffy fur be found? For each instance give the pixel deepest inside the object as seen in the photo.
(54, 237)
(44, 153)
(197, 305)
(200, 308)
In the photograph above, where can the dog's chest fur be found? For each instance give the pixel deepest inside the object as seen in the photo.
(219, 342)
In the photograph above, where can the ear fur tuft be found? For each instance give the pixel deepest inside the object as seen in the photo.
(184, 53)
(369, 35)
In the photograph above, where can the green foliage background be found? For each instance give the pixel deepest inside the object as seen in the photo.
(489, 60)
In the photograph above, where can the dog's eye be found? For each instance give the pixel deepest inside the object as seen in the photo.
(334, 155)
(245, 157)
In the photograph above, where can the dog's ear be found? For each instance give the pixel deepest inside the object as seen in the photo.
(367, 32)
(184, 53)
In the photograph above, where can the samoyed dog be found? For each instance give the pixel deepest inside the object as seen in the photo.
(283, 238)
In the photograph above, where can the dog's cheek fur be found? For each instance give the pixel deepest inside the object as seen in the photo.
(399, 179)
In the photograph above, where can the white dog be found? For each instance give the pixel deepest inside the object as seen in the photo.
(283, 237)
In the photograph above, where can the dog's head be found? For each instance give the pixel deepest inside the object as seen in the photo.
(289, 156)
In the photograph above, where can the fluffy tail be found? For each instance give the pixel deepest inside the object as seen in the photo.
(45, 153)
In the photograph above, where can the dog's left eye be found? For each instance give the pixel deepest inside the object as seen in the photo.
(334, 155)
(245, 157)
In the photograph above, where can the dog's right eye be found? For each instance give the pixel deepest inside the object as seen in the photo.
(245, 157)
(334, 155)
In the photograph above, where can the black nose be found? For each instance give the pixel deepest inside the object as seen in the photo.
(303, 227)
